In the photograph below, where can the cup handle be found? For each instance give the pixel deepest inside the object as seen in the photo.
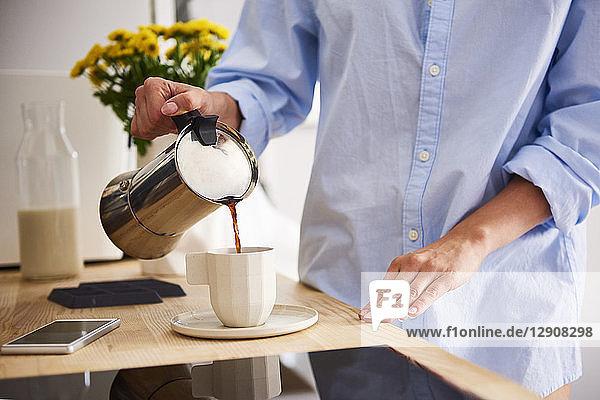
(196, 270)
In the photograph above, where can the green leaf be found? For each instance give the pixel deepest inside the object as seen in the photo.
(142, 145)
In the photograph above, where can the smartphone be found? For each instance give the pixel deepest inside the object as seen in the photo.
(62, 336)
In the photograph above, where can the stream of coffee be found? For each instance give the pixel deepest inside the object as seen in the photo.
(236, 231)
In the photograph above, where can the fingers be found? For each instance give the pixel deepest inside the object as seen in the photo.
(420, 283)
(144, 125)
(134, 127)
(366, 310)
(428, 292)
(169, 108)
(426, 285)
(158, 91)
(159, 99)
(403, 268)
(185, 102)
(142, 105)
(365, 314)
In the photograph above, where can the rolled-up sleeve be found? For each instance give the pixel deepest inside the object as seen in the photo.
(270, 68)
(564, 160)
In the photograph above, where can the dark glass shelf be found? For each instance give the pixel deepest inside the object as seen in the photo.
(356, 373)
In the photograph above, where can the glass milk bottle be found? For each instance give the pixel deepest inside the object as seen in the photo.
(48, 188)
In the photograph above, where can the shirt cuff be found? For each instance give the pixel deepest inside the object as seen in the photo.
(567, 179)
(254, 126)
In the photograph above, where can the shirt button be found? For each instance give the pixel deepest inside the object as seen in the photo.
(424, 156)
(434, 70)
(413, 234)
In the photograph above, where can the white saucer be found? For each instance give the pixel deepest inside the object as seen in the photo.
(283, 320)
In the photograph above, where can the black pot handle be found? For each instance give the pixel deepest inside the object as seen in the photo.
(204, 127)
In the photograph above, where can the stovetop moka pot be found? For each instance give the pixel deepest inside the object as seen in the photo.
(146, 211)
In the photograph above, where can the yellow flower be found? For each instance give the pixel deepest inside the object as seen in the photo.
(203, 46)
(114, 50)
(120, 35)
(78, 68)
(220, 31)
(127, 52)
(186, 47)
(175, 29)
(135, 44)
(146, 34)
(204, 26)
(95, 53)
(157, 29)
(145, 41)
(93, 76)
(151, 48)
(196, 26)
(171, 53)
(132, 43)
(118, 50)
(207, 41)
(220, 46)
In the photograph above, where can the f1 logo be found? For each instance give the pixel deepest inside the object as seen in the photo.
(389, 300)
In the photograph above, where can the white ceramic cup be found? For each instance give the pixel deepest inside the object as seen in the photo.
(237, 379)
(242, 286)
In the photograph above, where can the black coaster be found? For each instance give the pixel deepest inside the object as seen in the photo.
(115, 293)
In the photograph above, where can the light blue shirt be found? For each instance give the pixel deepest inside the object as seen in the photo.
(425, 113)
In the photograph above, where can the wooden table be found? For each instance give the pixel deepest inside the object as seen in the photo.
(145, 338)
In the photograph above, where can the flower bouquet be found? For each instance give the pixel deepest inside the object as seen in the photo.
(117, 69)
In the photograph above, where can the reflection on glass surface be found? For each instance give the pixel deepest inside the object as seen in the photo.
(360, 373)
(375, 373)
(241, 379)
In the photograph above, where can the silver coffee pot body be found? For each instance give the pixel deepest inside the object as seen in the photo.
(146, 211)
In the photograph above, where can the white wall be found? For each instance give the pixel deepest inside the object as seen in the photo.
(52, 35)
